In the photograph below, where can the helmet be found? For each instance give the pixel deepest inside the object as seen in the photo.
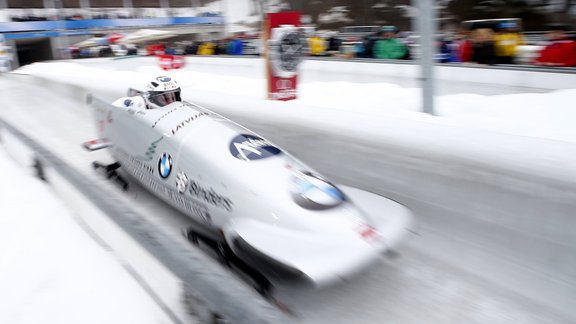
(163, 90)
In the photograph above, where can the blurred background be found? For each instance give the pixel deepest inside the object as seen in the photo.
(501, 32)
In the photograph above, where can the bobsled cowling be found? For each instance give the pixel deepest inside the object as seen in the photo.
(325, 252)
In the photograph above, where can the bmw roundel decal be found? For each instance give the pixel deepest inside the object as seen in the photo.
(250, 147)
(165, 165)
(312, 192)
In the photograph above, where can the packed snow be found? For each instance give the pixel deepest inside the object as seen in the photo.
(52, 271)
(540, 115)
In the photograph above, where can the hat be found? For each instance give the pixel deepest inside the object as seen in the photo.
(389, 29)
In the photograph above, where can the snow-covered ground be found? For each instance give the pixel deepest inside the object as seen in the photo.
(540, 115)
(52, 271)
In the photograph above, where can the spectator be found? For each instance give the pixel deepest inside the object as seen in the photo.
(317, 46)
(388, 46)
(368, 45)
(221, 47)
(235, 46)
(349, 48)
(483, 51)
(359, 49)
(464, 46)
(334, 44)
(560, 51)
(506, 42)
(170, 50)
(191, 49)
(445, 53)
(207, 48)
(452, 48)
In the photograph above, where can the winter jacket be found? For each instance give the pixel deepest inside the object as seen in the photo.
(317, 46)
(206, 48)
(234, 47)
(484, 52)
(465, 51)
(558, 53)
(389, 48)
(507, 43)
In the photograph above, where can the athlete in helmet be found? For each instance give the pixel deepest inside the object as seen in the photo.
(162, 91)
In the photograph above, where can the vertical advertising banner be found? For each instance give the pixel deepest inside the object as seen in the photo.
(284, 50)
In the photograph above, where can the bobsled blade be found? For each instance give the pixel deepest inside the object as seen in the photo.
(96, 144)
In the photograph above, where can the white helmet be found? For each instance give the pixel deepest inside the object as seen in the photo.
(163, 90)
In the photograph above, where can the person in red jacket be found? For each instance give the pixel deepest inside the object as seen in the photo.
(465, 47)
(560, 51)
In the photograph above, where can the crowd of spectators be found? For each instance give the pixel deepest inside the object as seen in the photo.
(238, 44)
(481, 46)
(95, 14)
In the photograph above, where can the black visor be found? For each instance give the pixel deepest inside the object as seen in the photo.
(162, 99)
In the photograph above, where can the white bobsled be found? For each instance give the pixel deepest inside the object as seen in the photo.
(272, 211)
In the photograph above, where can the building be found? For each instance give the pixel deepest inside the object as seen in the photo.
(37, 30)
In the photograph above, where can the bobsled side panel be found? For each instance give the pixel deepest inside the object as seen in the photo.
(274, 269)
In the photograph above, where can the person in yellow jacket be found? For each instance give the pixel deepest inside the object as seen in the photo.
(506, 43)
(317, 46)
(206, 48)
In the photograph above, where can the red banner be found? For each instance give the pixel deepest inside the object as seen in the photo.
(283, 54)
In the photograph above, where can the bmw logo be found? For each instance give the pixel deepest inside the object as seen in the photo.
(312, 192)
(165, 165)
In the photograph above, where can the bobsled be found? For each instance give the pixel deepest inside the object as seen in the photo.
(257, 202)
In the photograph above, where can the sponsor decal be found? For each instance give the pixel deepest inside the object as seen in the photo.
(186, 122)
(250, 147)
(165, 165)
(289, 52)
(283, 94)
(134, 164)
(144, 175)
(167, 82)
(312, 192)
(181, 182)
(151, 150)
(133, 111)
(164, 115)
(209, 195)
(369, 234)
